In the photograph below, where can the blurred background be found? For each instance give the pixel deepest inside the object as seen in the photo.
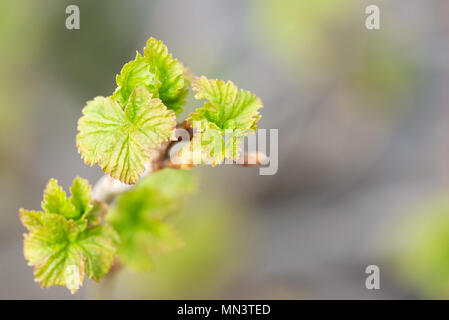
(363, 119)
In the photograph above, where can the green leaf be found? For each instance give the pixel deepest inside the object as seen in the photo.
(170, 74)
(135, 74)
(227, 107)
(120, 140)
(62, 249)
(31, 219)
(96, 214)
(81, 193)
(172, 183)
(140, 217)
(156, 71)
(56, 201)
(138, 249)
(99, 247)
(61, 253)
(207, 145)
(221, 124)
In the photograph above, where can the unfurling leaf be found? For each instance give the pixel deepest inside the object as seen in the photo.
(63, 244)
(81, 193)
(56, 201)
(120, 139)
(227, 107)
(220, 125)
(140, 217)
(156, 71)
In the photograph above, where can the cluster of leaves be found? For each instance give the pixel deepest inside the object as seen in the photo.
(74, 236)
(66, 240)
(228, 112)
(119, 132)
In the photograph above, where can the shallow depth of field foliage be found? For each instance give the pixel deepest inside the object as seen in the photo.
(420, 250)
(128, 135)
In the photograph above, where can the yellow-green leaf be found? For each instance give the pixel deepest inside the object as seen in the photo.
(228, 115)
(120, 140)
(227, 107)
(56, 201)
(158, 72)
(81, 193)
(140, 217)
(62, 249)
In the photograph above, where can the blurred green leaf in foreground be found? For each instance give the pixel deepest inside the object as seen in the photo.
(141, 217)
(421, 254)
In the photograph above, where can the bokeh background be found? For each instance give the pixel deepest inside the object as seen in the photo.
(363, 119)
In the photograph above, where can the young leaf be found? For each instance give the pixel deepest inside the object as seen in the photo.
(169, 72)
(120, 140)
(135, 74)
(96, 214)
(81, 193)
(62, 249)
(227, 106)
(207, 145)
(228, 111)
(99, 247)
(56, 201)
(171, 183)
(139, 216)
(156, 71)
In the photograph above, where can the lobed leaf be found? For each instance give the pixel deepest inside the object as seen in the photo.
(156, 71)
(63, 249)
(120, 140)
(171, 183)
(99, 247)
(140, 217)
(221, 124)
(227, 107)
(135, 74)
(81, 193)
(206, 147)
(56, 201)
